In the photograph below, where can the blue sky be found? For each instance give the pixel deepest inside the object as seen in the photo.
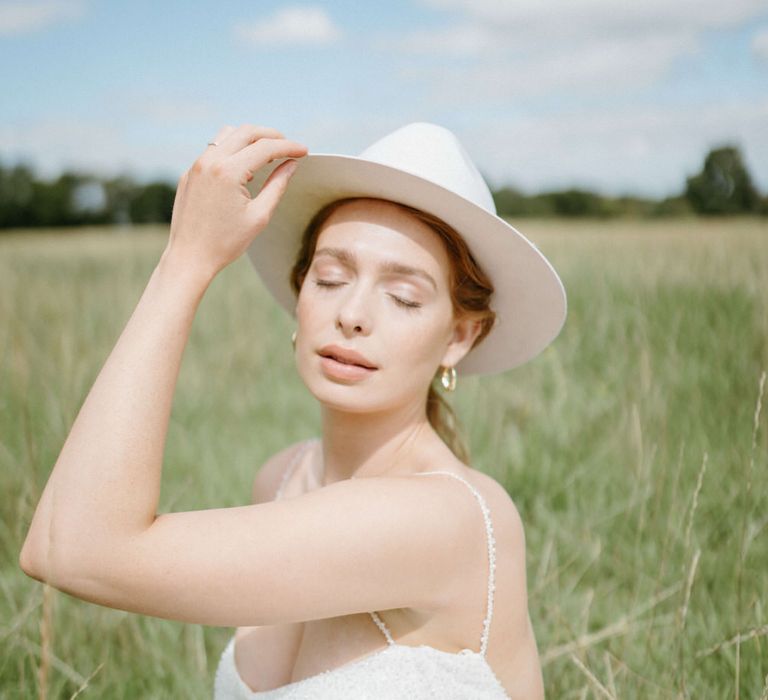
(614, 95)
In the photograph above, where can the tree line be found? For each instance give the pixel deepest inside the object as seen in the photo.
(724, 186)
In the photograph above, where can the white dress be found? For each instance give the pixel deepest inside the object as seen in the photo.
(394, 672)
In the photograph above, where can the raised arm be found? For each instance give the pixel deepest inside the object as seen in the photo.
(104, 488)
(356, 545)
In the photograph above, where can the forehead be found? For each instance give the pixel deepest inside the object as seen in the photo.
(384, 230)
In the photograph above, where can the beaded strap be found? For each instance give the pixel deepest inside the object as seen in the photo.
(491, 566)
(289, 469)
(380, 623)
(491, 555)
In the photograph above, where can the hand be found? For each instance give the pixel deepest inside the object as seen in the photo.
(214, 219)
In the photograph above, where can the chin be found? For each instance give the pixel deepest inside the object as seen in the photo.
(349, 399)
(352, 397)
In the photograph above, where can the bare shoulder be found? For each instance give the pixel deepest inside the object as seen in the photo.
(513, 650)
(267, 478)
(506, 525)
(509, 533)
(503, 508)
(513, 646)
(503, 512)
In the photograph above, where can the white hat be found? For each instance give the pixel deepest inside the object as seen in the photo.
(424, 166)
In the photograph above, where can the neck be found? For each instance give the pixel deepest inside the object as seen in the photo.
(375, 444)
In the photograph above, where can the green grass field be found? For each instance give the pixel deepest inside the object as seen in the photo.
(635, 448)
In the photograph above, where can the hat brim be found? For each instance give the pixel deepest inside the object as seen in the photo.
(529, 298)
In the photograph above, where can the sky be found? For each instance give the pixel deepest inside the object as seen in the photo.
(617, 96)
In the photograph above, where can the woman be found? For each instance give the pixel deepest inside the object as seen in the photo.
(391, 261)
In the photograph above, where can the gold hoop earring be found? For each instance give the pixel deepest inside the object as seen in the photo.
(448, 378)
(293, 339)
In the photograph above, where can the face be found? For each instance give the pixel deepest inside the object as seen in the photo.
(377, 285)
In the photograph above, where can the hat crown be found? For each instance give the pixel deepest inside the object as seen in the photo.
(434, 153)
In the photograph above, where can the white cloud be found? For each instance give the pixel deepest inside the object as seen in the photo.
(605, 66)
(528, 47)
(161, 109)
(26, 17)
(647, 150)
(573, 19)
(760, 44)
(460, 40)
(293, 25)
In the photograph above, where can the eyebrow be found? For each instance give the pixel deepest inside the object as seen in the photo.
(393, 266)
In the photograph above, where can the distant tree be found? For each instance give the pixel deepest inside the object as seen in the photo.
(54, 201)
(16, 195)
(574, 202)
(511, 202)
(119, 192)
(724, 186)
(153, 203)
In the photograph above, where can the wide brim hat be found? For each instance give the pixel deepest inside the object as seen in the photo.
(424, 166)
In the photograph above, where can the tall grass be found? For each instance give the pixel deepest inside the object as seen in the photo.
(635, 448)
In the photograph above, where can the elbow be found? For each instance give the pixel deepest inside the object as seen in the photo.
(68, 574)
(27, 563)
(42, 567)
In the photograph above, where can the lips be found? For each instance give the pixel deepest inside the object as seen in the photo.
(346, 356)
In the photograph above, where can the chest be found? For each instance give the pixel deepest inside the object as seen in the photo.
(272, 656)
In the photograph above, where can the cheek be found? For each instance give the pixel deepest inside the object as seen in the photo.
(417, 344)
(308, 311)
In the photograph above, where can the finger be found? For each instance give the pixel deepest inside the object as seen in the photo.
(265, 202)
(243, 136)
(264, 151)
(221, 134)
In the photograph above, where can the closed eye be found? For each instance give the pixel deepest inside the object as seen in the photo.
(409, 305)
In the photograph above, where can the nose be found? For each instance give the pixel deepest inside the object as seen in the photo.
(353, 316)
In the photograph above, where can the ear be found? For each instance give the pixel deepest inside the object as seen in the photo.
(465, 330)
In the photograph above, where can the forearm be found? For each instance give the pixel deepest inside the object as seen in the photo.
(105, 485)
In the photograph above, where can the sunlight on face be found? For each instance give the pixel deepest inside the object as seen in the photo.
(359, 294)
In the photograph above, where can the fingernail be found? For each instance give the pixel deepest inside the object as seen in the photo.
(292, 165)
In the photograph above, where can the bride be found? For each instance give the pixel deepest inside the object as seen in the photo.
(348, 576)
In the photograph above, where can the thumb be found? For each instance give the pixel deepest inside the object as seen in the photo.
(265, 202)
